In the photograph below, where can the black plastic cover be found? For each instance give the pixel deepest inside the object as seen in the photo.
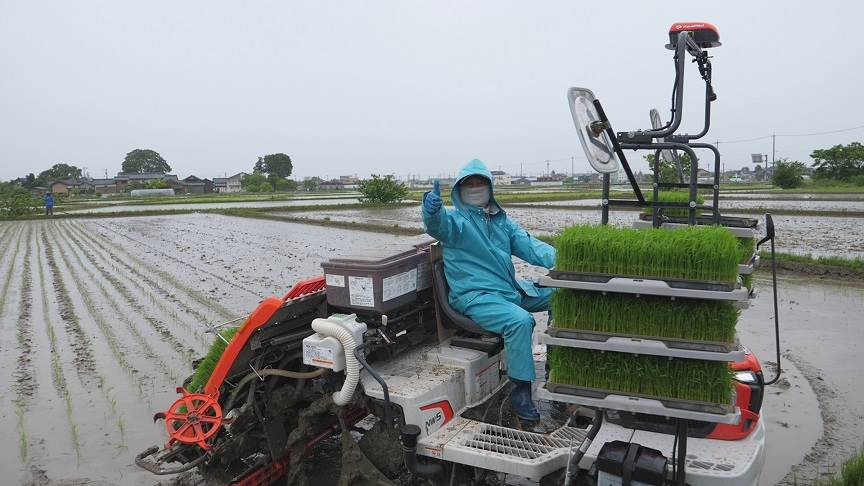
(641, 464)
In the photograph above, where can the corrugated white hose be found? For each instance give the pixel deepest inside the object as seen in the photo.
(352, 367)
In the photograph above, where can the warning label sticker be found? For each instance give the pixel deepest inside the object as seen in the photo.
(399, 284)
(360, 291)
(334, 280)
(317, 355)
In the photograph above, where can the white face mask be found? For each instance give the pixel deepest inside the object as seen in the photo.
(475, 196)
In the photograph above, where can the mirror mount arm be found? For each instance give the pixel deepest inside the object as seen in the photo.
(617, 147)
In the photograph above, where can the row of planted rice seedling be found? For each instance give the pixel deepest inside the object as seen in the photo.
(699, 253)
(683, 379)
(704, 253)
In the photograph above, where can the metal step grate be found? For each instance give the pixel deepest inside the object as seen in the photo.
(521, 444)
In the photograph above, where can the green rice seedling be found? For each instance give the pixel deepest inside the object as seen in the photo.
(684, 379)
(674, 196)
(705, 253)
(747, 282)
(851, 473)
(208, 363)
(746, 247)
(691, 319)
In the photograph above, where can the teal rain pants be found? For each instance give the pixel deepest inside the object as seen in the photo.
(513, 321)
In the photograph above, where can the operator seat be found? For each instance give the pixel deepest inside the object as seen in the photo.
(469, 334)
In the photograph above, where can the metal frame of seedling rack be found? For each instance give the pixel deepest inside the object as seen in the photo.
(682, 43)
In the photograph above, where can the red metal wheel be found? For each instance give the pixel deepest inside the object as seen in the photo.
(193, 419)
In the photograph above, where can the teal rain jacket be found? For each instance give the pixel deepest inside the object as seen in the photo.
(478, 246)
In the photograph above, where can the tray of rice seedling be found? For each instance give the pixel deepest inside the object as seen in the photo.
(685, 388)
(745, 229)
(671, 348)
(698, 262)
(691, 324)
(637, 404)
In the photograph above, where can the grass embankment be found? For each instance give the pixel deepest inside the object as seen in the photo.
(704, 253)
(851, 263)
(526, 197)
(684, 379)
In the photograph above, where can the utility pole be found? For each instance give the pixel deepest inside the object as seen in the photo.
(773, 146)
(520, 169)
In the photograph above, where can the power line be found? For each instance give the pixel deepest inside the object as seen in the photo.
(819, 133)
(765, 137)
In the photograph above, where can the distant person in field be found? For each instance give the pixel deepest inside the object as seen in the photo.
(479, 240)
(49, 204)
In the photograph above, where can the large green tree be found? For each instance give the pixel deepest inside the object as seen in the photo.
(275, 165)
(58, 172)
(839, 162)
(140, 161)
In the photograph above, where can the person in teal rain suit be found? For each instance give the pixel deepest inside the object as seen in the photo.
(479, 240)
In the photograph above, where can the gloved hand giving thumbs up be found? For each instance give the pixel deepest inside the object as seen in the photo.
(432, 200)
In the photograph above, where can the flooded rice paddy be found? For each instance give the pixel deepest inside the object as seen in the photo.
(99, 320)
(816, 235)
(115, 208)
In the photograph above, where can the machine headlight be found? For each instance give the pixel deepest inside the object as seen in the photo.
(746, 377)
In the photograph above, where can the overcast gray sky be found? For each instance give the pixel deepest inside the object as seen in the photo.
(402, 86)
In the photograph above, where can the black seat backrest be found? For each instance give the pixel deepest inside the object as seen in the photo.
(454, 320)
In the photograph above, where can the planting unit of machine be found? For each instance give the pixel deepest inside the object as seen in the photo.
(371, 359)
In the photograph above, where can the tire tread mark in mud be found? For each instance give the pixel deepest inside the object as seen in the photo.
(119, 312)
(57, 377)
(158, 325)
(195, 295)
(85, 362)
(24, 379)
(97, 241)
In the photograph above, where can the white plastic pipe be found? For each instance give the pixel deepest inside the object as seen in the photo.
(352, 367)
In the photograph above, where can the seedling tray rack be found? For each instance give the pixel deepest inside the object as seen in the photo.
(744, 230)
(691, 289)
(613, 400)
(654, 346)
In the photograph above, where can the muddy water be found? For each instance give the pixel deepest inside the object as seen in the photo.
(824, 236)
(821, 334)
(182, 271)
(114, 208)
